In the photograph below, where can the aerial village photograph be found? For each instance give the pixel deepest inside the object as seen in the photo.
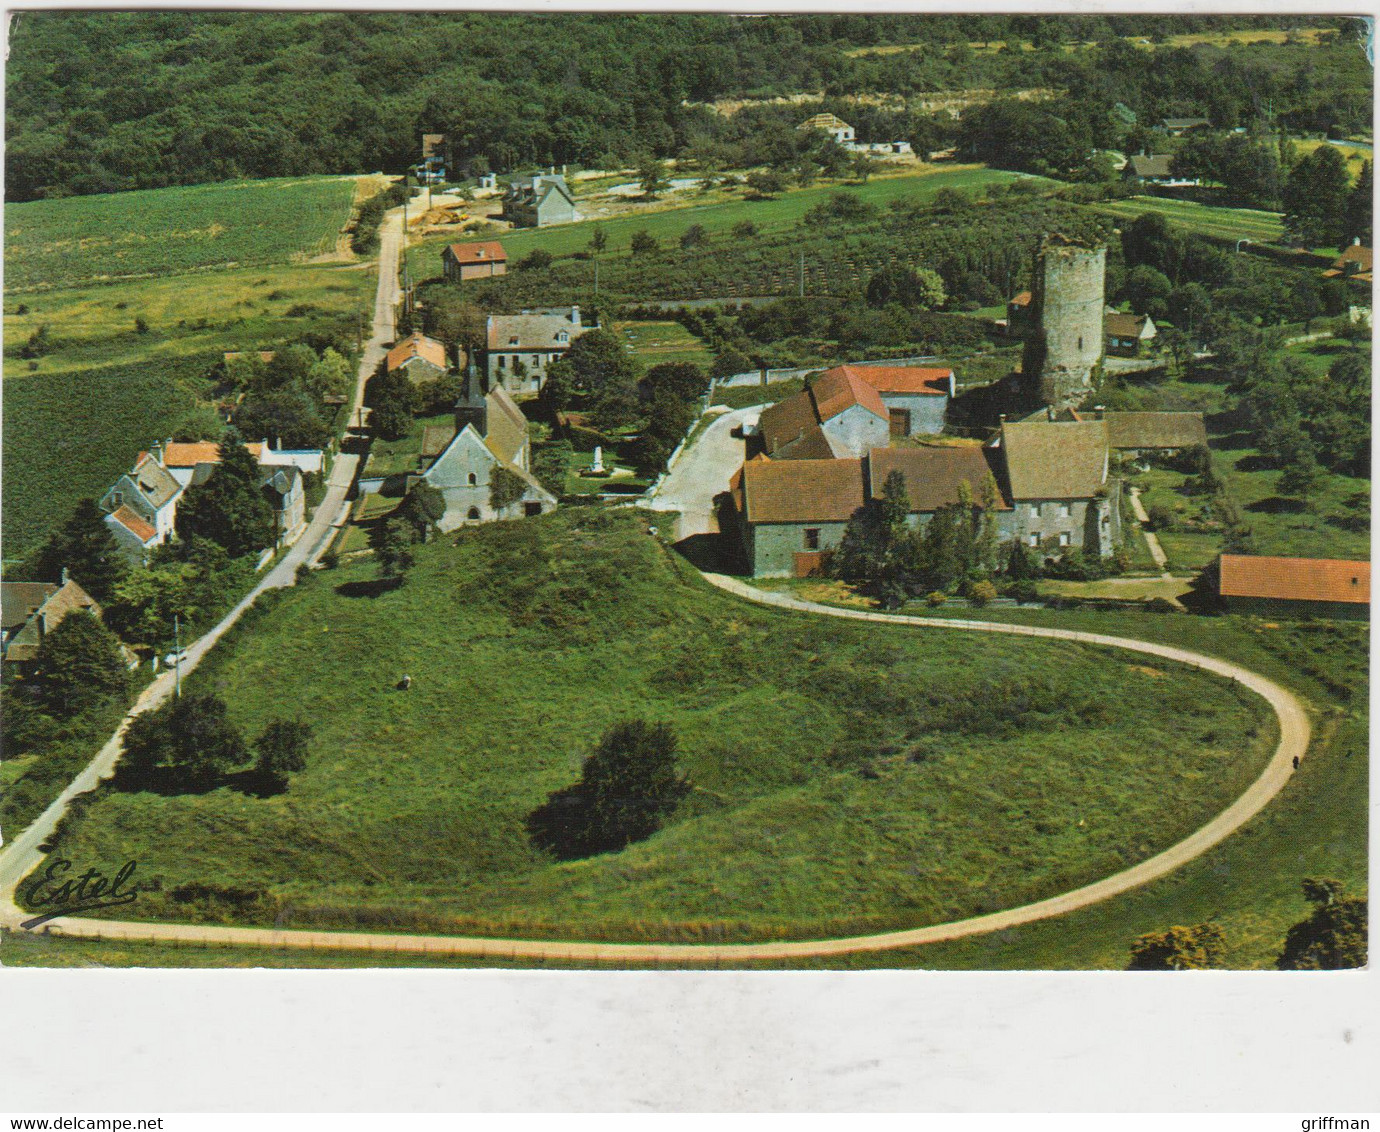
(686, 491)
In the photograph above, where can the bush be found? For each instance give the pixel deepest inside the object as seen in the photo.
(936, 598)
(538, 259)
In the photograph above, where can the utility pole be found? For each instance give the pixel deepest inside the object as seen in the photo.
(406, 273)
(802, 273)
(596, 277)
(177, 657)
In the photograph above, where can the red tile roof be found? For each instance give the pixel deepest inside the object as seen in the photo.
(929, 380)
(1358, 254)
(417, 346)
(188, 454)
(836, 391)
(133, 523)
(482, 251)
(1021, 300)
(801, 491)
(1295, 579)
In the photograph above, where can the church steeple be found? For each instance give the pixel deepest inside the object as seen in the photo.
(472, 407)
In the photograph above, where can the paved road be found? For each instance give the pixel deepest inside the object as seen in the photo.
(1156, 550)
(22, 855)
(1293, 744)
(701, 472)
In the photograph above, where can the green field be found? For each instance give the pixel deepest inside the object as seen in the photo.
(841, 776)
(653, 343)
(774, 214)
(53, 243)
(1207, 220)
(68, 435)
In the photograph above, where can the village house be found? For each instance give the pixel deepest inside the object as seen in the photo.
(1138, 435)
(490, 433)
(1178, 127)
(791, 513)
(419, 357)
(1353, 265)
(1151, 169)
(1128, 334)
(29, 611)
(520, 347)
(1295, 587)
(839, 415)
(932, 476)
(539, 200)
(832, 125)
(1057, 476)
(916, 397)
(141, 507)
(433, 167)
(478, 260)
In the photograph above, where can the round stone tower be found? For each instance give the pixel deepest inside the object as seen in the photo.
(1067, 299)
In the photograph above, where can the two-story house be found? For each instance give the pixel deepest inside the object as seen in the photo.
(538, 200)
(1057, 479)
(520, 347)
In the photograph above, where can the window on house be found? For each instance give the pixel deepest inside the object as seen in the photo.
(473, 513)
(530, 509)
(1034, 540)
(1080, 341)
(562, 337)
(117, 498)
(502, 361)
(1065, 510)
(513, 340)
(474, 479)
(811, 538)
(1063, 538)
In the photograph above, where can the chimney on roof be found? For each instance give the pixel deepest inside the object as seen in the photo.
(952, 386)
(1355, 241)
(1049, 411)
(64, 576)
(575, 315)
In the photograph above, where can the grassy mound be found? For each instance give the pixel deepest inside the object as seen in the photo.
(848, 777)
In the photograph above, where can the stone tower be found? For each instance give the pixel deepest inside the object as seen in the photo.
(1064, 345)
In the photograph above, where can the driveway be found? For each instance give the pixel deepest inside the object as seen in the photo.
(702, 471)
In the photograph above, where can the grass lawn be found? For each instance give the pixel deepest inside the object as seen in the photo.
(159, 231)
(844, 780)
(1122, 589)
(741, 396)
(1249, 884)
(578, 484)
(653, 343)
(777, 213)
(393, 457)
(1224, 223)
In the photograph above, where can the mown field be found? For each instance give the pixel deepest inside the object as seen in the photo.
(843, 780)
(53, 243)
(773, 214)
(655, 343)
(1207, 220)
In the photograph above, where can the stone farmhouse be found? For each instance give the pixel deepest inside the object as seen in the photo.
(538, 201)
(1295, 587)
(932, 476)
(479, 260)
(490, 433)
(851, 409)
(1128, 334)
(1056, 474)
(141, 507)
(29, 611)
(419, 357)
(520, 347)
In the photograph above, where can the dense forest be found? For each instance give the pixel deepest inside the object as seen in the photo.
(109, 101)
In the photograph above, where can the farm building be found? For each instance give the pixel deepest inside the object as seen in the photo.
(1056, 474)
(522, 346)
(538, 200)
(1295, 587)
(420, 357)
(832, 125)
(478, 260)
(490, 434)
(916, 397)
(1152, 434)
(932, 475)
(842, 413)
(29, 611)
(791, 513)
(1128, 334)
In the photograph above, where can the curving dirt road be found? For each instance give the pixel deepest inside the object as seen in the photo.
(1293, 744)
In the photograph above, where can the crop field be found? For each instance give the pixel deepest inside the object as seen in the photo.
(776, 213)
(1224, 223)
(69, 434)
(55, 243)
(1354, 155)
(842, 781)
